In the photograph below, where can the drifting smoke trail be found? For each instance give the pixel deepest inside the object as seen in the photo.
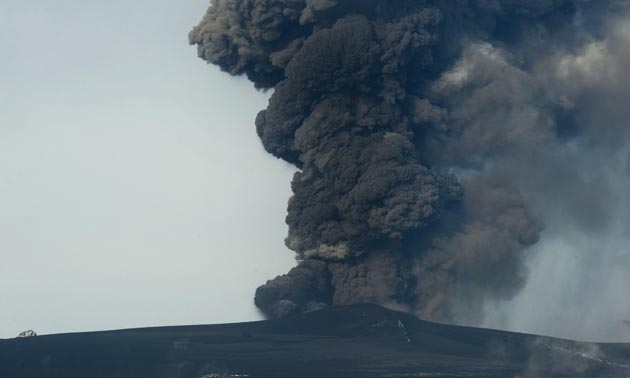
(418, 126)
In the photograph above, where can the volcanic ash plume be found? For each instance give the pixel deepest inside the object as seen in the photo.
(400, 116)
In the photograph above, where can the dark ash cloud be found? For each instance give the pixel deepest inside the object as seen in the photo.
(412, 123)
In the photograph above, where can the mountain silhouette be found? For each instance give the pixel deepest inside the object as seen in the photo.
(353, 341)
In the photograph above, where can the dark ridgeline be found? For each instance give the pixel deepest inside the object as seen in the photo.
(414, 125)
(362, 341)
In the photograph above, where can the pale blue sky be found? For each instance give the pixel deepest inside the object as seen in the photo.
(134, 190)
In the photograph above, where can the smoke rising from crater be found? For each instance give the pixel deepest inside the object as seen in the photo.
(422, 130)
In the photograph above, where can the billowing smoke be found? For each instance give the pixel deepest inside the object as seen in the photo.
(421, 129)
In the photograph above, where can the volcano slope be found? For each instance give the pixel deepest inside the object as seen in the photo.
(355, 341)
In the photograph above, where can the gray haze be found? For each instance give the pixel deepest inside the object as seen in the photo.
(125, 199)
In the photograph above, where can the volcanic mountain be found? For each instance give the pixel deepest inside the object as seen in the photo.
(362, 341)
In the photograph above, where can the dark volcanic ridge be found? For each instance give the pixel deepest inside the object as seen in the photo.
(353, 341)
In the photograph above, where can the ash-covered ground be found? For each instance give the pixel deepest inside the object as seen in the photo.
(361, 341)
